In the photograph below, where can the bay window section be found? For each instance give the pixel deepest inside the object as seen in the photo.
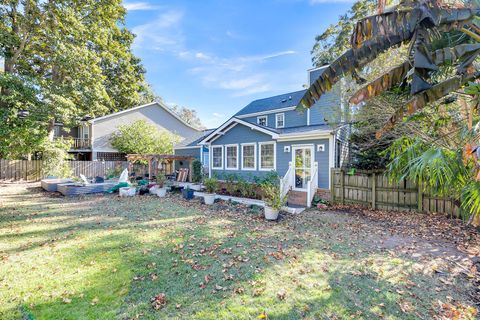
(267, 156)
(231, 152)
(249, 161)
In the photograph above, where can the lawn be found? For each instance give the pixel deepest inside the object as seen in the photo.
(104, 257)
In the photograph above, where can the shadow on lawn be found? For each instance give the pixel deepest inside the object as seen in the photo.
(193, 260)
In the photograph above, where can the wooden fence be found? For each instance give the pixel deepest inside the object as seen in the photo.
(373, 189)
(25, 170)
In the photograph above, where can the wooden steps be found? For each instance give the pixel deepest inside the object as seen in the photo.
(297, 198)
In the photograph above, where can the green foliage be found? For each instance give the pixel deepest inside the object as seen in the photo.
(114, 173)
(271, 177)
(211, 184)
(197, 171)
(273, 196)
(55, 160)
(231, 183)
(62, 61)
(246, 188)
(317, 200)
(141, 137)
(161, 179)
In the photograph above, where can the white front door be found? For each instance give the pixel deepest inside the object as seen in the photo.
(303, 159)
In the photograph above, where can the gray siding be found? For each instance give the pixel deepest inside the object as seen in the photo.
(328, 107)
(241, 134)
(283, 158)
(194, 152)
(292, 119)
(154, 114)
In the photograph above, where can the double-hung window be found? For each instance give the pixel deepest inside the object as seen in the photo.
(249, 161)
(267, 156)
(217, 157)
(262, 121)
(280, 120)
(231, 155)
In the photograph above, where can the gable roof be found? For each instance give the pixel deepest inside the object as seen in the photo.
(272, 103)
(159, 104)
(233, 122)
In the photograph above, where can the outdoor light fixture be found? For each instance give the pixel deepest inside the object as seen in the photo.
(320, 147)
(286, 149)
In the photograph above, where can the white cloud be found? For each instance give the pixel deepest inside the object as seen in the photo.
(162, 34)
(136, 6)
(218, 115)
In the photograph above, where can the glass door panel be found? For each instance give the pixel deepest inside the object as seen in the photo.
(303, 166)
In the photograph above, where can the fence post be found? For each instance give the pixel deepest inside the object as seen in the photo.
(342, 187)
(332, 185)
(374, 191)
(420, 196)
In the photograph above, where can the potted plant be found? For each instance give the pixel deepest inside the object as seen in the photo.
(161, 189)
(274, 200)
(187, 193)
(211, 185)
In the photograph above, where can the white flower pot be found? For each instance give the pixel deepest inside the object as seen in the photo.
(153, 190)
(209, 198)
(270, 213)
(127, 192)
(161, 192)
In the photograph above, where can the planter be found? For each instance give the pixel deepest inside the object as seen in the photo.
(127, 191)
(187, 194)
(196, 187)
(161, 192)
(209, 198)
(271, 214)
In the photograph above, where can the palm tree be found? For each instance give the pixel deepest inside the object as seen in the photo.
(440, 35)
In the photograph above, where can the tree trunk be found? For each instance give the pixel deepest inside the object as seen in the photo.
(51, 129)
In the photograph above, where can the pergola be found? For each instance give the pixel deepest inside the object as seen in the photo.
(160, 159)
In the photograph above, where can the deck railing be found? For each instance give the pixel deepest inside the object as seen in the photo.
(77, 143)
(312, 185)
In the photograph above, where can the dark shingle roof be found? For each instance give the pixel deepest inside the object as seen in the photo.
(194, 140)
(277, 102)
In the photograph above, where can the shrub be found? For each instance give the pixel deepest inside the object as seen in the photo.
(161, 179)
(273, 196)
(230, 183)
(55, 160)
(197, 171)
(211, 184)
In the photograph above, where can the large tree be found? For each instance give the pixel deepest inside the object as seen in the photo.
(64, 59)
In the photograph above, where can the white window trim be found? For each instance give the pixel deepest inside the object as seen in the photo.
(212, 157)
(276, 120)
(261, 117)
(225, 155)
(260, 144)
(254, 156)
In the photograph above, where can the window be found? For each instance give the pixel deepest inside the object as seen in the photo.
(217, 157)
(267, 156)
(231, 152)
(249, 161)
(262, 121)
(280, 120)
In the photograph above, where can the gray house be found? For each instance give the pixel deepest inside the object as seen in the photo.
(271, 135)
(92, 138)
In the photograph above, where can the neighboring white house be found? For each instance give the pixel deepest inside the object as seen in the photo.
(92, 139)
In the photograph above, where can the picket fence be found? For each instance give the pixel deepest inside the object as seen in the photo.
(31, 170)
(373, 189)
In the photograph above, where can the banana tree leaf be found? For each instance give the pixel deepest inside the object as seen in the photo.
(376, 34)
(422, 99)
(382, 83)
(398, 74)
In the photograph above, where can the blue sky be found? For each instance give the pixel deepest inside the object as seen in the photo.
(216, 56)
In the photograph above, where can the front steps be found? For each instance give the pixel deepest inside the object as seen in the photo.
(297, 198)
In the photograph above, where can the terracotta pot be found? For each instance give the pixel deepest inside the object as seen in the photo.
(271, 214)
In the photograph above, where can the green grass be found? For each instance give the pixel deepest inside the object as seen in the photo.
(103, 257)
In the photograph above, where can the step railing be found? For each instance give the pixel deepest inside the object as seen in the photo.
(312, 185)
(286, 183)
